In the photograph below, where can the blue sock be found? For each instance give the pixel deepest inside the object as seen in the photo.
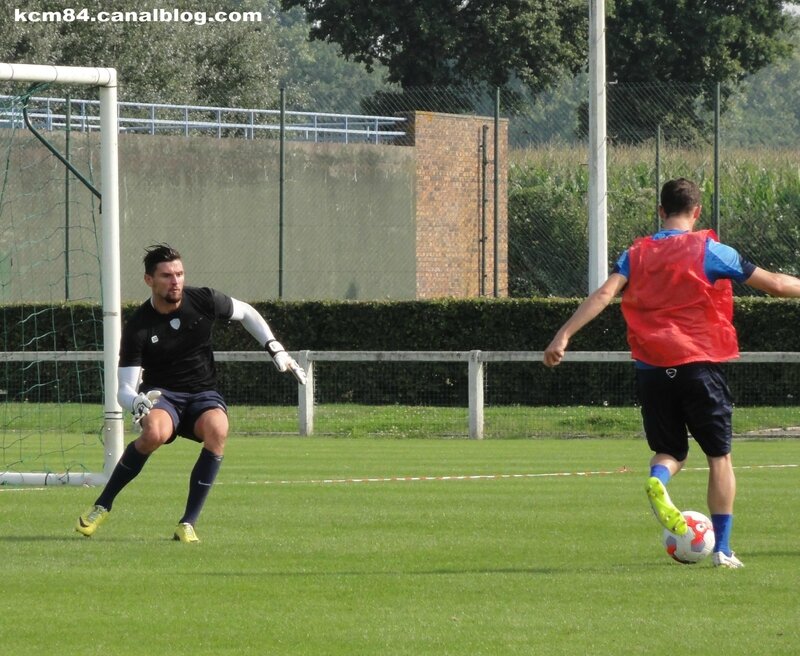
(722, 532)
(661, 473)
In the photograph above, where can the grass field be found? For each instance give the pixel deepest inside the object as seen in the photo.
(525, 557)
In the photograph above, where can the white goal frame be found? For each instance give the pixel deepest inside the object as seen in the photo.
(113, 427)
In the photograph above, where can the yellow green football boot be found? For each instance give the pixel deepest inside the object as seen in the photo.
(665, 511)
(90, 520)
(185, 533)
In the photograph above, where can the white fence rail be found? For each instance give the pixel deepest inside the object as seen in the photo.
(474, 360)
(156, 118)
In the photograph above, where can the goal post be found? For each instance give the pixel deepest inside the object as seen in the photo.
(113, 428)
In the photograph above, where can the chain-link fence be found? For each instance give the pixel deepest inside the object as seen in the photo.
(344, 156)
(748, 140)
(744, 139)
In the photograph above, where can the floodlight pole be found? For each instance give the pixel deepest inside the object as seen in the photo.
(717, 110)
(281, 191)
(598, 181)
(496, 194)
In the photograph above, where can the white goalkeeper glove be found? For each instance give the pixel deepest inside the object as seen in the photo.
(283, 361)
(143, 403)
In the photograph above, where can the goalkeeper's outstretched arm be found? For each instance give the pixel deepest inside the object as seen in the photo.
(258, 327)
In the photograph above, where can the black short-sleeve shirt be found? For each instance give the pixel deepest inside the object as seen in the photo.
(175, 349)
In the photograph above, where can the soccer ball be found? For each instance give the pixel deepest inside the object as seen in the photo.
(695, 544)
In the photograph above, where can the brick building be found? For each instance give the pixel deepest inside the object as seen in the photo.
(454, 196)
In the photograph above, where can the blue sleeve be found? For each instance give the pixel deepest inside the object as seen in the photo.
(623, 266)
(722, 261)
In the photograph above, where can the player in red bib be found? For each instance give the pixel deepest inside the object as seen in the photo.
(678, 307)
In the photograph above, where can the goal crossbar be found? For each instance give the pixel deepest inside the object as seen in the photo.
(106, 80)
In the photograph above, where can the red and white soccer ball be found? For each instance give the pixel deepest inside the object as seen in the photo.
(695, 544)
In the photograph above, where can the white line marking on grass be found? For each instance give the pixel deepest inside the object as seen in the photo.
(21, 489)
(471, 477)
(415, 479)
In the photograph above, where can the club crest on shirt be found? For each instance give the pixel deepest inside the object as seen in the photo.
(175, 323)
(154, 339)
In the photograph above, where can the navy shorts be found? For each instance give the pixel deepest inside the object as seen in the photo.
(185, 409)
(692, 398)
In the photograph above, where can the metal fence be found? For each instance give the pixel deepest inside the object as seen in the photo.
(83, 115)
(473, 394)
(740, 144)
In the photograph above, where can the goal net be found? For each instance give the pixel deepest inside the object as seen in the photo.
(59, 278)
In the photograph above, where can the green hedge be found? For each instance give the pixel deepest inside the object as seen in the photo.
(442, 325)
(764, 324)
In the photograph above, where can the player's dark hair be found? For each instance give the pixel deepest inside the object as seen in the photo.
(679, 196)
(156, 254)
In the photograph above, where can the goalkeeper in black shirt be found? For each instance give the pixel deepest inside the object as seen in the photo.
(167, 343)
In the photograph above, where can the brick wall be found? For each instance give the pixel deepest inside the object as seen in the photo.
(450, 205)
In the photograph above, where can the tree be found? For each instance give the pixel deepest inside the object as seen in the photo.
(757, 114)
(222, 64)
(158, 61)
(694, 41)
(653, 45)
(317, 76)
(424, 43)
